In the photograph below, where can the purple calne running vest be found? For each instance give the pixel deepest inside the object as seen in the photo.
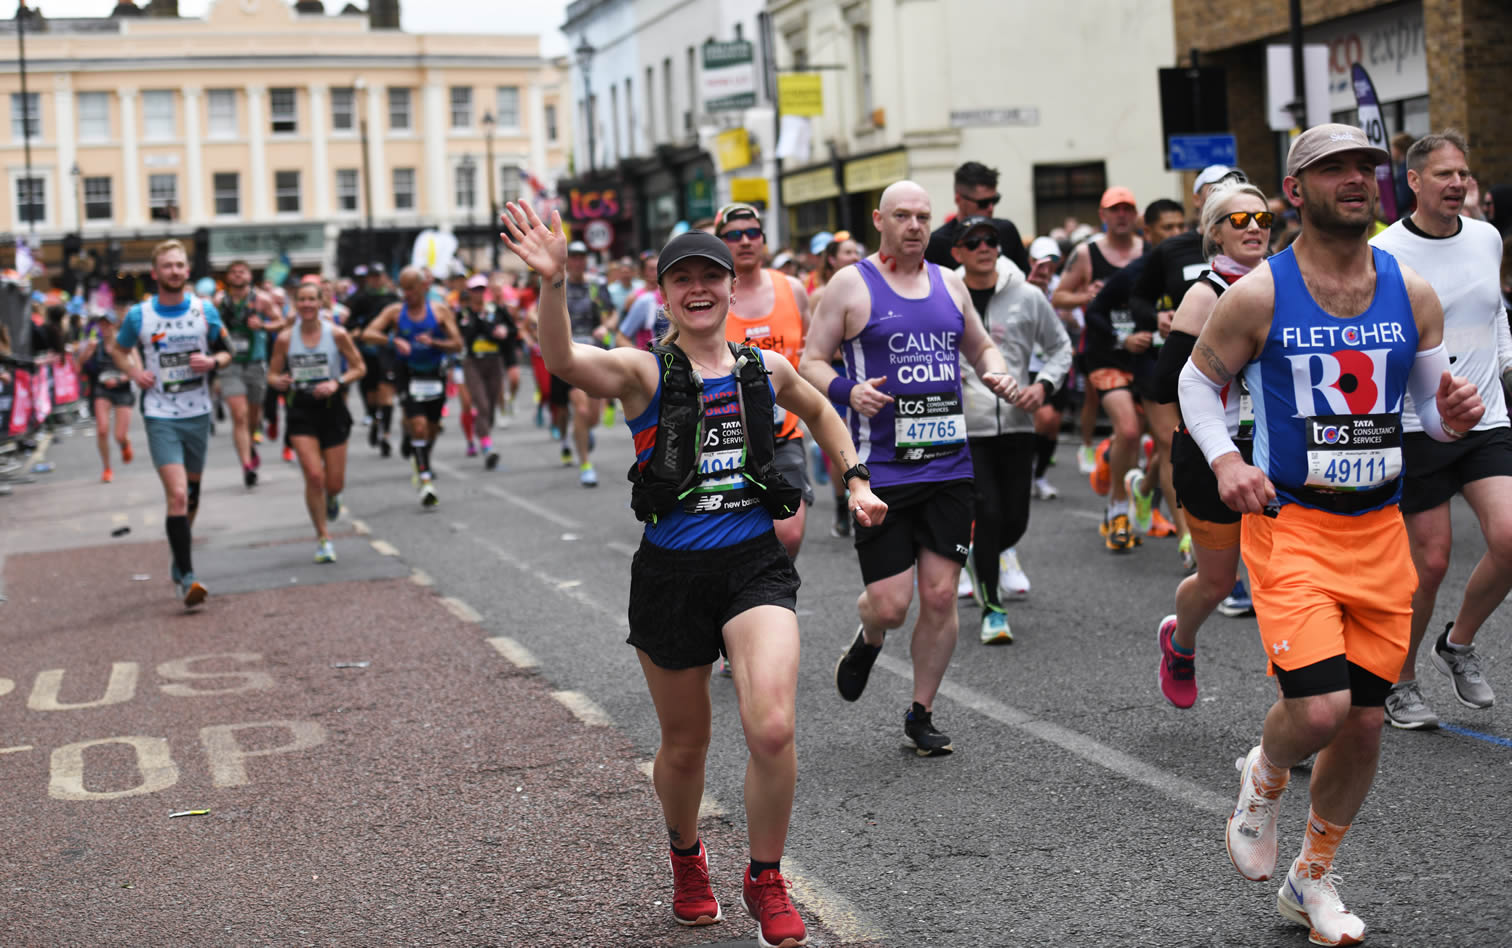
(916, 343)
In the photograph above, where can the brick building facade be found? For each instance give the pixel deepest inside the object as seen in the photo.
(1448, 63)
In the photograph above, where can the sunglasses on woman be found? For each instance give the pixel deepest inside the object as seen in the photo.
(1239, 220)
(972, 243)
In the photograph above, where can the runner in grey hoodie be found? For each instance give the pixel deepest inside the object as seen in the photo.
(1020, 320)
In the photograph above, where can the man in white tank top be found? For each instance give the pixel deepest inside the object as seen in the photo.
(167, 345)
(1460, 257)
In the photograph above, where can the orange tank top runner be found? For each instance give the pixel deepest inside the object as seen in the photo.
(780, 330)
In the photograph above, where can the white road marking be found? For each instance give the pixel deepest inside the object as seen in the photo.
(583, 708)
(360, 528)
(384, 547)
(461, 610)
(563, 586)
(513, 652)
(1093, 751)
(838, 913)
(12, 750)
(534, 508)
(1085, 514)
(421, 578)
(619, 547)
(451, 471)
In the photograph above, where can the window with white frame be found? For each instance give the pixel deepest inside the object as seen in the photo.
(31, 200)
(159, 123)
(404, 189)
(283, 108)
(467, 186)
(461, 107)
(26, 113)
(399, 109)
(286, 192)
(162, 196)
(509, 183)
(222, 105)
(861, 58)
(551, 123)
(507, 106)
(97, 203)
(227, 186)
(346, 189)
(94, 116)
(343, 109)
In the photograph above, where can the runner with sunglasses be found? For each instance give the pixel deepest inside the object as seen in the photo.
(769, 310)
(976, 195)
(1235, 227)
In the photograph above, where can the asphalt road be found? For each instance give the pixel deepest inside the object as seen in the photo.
(481, 780)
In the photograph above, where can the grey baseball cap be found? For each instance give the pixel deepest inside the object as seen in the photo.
(694, 243)
(1321, 141)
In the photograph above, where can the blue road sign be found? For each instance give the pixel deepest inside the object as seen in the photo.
(1195, 152)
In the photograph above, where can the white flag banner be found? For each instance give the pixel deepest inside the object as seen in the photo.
(24, 261)
(794, 139)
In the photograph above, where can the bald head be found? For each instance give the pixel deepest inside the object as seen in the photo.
(903, 191)
(412, 285)
(903, 221)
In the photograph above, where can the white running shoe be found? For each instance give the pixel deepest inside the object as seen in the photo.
(1012, 583)
(1251, 835)
(1044, 490)
(1309, 898)
(1086, 459)
(964, 588)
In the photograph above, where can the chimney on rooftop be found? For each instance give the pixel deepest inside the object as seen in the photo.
(168, 8)
(383, 14)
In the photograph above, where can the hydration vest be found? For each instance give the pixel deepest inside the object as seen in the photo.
(658, 486)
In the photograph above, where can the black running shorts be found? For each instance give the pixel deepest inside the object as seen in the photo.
(934, 516)
(428, 408)
(327, 420)
(1434, 471)
(680, 600)
(1196, 485)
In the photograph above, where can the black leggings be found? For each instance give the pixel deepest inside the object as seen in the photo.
(1003, 472)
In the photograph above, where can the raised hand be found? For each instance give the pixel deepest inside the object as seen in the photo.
(543, 249)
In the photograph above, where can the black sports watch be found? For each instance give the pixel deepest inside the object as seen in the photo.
(860, 470)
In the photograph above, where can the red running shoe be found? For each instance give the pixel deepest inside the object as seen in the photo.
(1178, 673)
(693, 902)
(777, 922)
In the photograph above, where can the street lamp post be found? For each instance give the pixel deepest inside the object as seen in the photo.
(585, 53)
(78, 177)
(490, 171)
(360, 85)
(26, 120)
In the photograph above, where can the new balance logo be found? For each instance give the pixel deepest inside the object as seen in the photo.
(1282, 646)
(711, 502)
(913, 454)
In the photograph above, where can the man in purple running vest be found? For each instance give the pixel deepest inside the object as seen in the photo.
(903, 326)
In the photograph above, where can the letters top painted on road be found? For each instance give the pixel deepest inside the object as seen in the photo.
(800, 93)
(1195, 152)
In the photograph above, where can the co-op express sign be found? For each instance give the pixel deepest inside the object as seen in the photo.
(1388, 43)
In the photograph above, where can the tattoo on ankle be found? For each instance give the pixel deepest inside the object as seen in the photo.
(676, 837)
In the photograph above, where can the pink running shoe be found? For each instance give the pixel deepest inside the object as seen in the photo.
(1178, 673)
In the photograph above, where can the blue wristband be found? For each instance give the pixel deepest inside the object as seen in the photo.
(839, 391)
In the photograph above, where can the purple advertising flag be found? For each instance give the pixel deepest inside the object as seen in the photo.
(1375, 132)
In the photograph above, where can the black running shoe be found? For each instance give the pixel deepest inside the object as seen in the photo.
(855, 667)
(373, 435)
(383, 448)
(492, 461)
(920, 734)
(249, 477)
(404, 448)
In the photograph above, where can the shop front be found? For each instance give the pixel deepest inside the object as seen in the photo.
(840, 195)
(600, 197)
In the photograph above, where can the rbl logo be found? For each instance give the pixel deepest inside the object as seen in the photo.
(1330, 434)
(1349, 382)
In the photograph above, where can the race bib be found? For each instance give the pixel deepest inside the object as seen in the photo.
(424, 390)
(1123, 324)
(483, 346)
(721, 481)
(241, 345)
(308, 369)
(112, 377)
(1353, 452)
(928, 426)
(174, 373)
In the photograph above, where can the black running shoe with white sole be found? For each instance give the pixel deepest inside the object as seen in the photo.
(855, 666)
(920, 734)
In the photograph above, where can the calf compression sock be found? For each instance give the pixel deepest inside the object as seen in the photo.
(421, 448)
(1044, 449)
(178, 540)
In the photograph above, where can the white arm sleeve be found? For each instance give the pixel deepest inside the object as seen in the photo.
(1202, 410)
(1429, 366)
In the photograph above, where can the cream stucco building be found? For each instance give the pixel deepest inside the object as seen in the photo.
(251, 123)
